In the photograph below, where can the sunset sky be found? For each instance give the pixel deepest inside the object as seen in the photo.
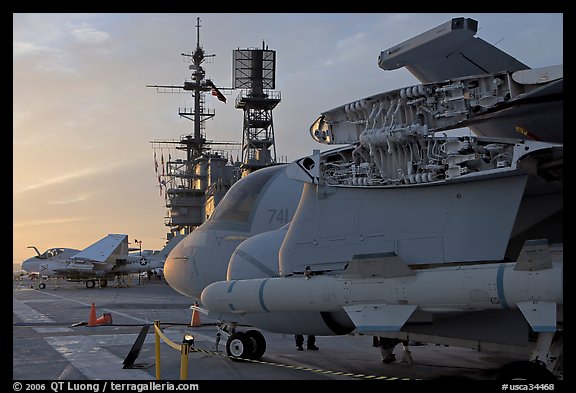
(83, 119)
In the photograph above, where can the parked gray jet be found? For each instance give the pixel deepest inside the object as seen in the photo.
(106, 259)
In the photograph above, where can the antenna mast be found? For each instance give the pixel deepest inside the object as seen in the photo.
(195, 185)
(255, 72)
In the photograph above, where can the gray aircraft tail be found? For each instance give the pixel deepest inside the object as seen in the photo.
(170, 245)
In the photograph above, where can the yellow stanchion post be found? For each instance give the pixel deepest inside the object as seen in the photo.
(157, 347)
(184, 350)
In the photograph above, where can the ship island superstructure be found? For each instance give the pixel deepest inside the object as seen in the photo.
(196, 182)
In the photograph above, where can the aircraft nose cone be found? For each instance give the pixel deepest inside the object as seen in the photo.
(200, 259)
(178, 269)
(28, 265)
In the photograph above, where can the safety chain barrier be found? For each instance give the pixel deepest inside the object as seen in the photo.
(185, 348)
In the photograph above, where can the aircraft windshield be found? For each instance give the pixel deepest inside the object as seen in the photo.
(51, 253)
(238, 202)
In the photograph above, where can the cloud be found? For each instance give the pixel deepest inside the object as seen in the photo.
(24, 48)
(49, 221)
(64, 178)
(71, 199)
(40, 57)
(87, 34)
(351, 41)
(54, 43)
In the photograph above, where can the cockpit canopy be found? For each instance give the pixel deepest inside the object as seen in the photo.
(240, 200)
(51, 252)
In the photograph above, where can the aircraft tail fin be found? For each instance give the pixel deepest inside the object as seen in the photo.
(99, 252)
(170, 245)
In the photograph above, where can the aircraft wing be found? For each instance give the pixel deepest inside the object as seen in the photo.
(448, 51)
(76, 266)
(99, 252)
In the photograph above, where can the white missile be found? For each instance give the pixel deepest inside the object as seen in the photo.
(386, 299)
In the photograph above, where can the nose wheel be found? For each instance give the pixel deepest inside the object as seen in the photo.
(239, 346)
(246, 345)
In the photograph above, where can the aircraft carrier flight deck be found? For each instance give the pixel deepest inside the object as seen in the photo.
(52, 342)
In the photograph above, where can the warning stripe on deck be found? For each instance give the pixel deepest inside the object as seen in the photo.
(302, 368)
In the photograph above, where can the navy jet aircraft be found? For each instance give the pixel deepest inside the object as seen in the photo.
(405, 232)
(106, 259)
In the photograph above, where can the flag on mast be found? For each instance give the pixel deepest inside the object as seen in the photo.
(215, 91)
(155, 163)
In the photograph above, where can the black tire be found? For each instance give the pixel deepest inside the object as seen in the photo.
(41, 285)
(525, 371)
(258, 344)
(239, 346)
(90, 284)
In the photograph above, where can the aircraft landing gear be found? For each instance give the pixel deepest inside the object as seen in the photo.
(258, 343)
(544, 365)
(238, 346)
(243, 345)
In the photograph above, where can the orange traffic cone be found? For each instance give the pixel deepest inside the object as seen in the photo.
(105, 319)
(195, 316)
(92, 321)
